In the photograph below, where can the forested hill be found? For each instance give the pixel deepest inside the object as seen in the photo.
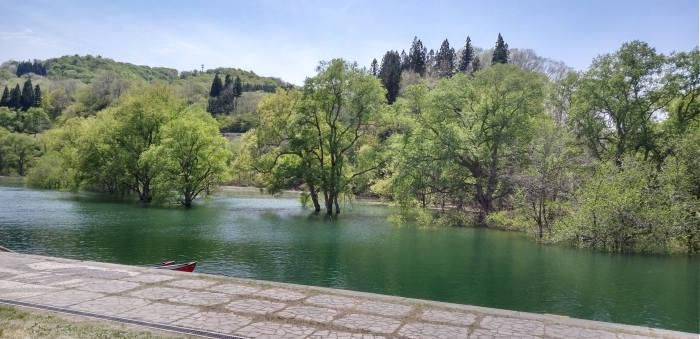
(88, 67)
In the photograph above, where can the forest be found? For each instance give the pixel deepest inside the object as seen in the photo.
(606, 158)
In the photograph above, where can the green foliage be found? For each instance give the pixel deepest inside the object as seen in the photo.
(17, 152)
(321, 138)
(444, 60)
(466, 57)
(482, 126)
(416, 57)
(390, 74)
(500, 53)
(32, 121)
(88, 67)
(627, 209)
(149, 143)
(616, 101)
(192, 157)
(216, 86)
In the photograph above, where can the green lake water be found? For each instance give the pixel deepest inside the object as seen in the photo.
(275, 239)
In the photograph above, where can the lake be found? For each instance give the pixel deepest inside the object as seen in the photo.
(275, 239)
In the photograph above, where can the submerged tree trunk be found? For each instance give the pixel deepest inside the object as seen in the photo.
(314, 198)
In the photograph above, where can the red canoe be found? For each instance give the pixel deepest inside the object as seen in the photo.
(171, 265)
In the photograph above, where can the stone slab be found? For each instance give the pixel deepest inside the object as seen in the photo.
(308, 313)
(111, 305)
(371, 323)
(160, 313)
(275, 330)
(214, 321)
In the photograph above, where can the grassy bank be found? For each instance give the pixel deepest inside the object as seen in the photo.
(20, 323)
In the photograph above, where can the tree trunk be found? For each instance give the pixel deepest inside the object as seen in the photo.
(314, 198)
(337, 206)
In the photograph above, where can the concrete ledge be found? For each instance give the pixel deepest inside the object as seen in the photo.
(254, 308)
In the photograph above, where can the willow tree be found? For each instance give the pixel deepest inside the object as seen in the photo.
(323, 137)
(192, 155)
(339, 107)
(483, 124)
(112, 148)
(278, 151)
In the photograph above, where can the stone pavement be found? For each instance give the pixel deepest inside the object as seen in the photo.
(257, 309)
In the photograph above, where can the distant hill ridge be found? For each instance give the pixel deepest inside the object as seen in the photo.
(85, 68)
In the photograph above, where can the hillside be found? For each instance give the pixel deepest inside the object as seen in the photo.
(88, 67)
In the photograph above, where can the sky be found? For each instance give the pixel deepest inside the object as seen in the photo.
(287, 39)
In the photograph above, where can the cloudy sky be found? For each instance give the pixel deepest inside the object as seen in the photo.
(287, 38)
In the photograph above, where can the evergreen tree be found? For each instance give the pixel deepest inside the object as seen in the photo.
(237, 92)
(5, 100)
(416, 56)
(216, 86)
(237, 87)
(500, 53)
(430, 62)
(228, 81)
(37, 96)
(476, 64)
(374, 67)
(404, 60)
(390, 74)
(27, 99)
(444, 60)
(15, 97)
(467, 56)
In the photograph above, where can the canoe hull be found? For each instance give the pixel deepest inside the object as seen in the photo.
(186, 267)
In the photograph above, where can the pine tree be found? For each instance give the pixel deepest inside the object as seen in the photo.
(404, 60)
(237, 92)
(467, 56)
(216, 86)
(500, 53)
(27, 99)
(416, 56)
(374, 67)
(430, 62)
(228, 81)
(15, 97)
(390, 74)
(444, 60)
(5, 100)
(37, 96)
(237, 87)
(476, 64)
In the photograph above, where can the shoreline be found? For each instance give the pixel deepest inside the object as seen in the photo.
(200, 301)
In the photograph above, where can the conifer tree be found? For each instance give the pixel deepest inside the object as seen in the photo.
(404, 60)
(15, 97)
(390, 74)
(27, 99)
(430, 62)
(37, 96)
(444, 60)
(5, 100)
(216, 86)
(467, 56)
(374, 67)
(228, 81)
(416, 56)
(237, 91)
(237, 87)
(476, 64)
(500, 53)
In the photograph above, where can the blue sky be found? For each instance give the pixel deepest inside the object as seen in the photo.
(288, 38)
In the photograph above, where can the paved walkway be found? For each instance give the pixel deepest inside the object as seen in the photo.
(257, 309)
